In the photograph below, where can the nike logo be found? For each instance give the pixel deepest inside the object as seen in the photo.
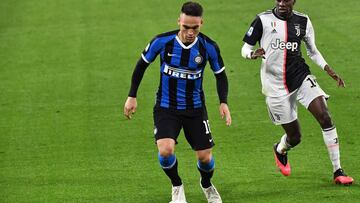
(171, 54)
(211, 140)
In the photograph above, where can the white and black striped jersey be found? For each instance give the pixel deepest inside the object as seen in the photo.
(283, 69)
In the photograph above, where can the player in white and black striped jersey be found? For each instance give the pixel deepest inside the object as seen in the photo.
(286, 79)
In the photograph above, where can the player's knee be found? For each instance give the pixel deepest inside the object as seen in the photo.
(205, 158)
(166, 151)
(325, 120)
(166, 147)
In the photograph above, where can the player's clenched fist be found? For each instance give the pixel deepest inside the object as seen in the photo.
(260, 52)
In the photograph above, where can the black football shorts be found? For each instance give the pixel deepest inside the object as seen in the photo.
(195, 123)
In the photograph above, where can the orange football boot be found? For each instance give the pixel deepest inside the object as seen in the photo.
(282, 162)
(341, 178)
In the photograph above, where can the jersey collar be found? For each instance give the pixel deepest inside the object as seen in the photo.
(183, 45)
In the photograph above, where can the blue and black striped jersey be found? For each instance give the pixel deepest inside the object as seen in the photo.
(182, 68)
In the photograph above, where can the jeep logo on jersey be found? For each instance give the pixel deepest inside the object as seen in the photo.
(282, 45)
(182, 73)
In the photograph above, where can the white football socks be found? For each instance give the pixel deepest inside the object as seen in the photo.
(283, 146)
(332, 142)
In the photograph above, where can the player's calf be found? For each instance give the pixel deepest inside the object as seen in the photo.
(206, 171)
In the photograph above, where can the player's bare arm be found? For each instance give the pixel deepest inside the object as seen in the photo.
(331, 73)
(130, 107)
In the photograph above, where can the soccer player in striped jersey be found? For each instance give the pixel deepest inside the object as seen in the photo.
(286, 79)
(180, 101)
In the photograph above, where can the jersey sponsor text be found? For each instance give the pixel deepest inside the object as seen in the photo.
(181, 73)
(284, 45)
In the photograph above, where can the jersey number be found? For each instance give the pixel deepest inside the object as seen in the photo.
(313, 82)
(207, 126)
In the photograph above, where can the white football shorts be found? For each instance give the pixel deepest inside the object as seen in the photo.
(283, 109)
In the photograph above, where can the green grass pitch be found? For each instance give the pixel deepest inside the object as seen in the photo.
(65, 69)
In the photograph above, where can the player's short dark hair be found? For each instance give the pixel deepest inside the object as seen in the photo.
(191, 8)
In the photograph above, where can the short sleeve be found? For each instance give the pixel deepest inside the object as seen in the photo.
(255, 32)
(215, 59)
(151, 50)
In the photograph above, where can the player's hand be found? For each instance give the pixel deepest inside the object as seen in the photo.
(260, 52)
(331, 73)
(225, 112)
(130, 107)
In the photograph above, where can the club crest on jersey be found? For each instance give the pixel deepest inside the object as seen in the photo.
(297, 28)
(198, 59)
(284, 45)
